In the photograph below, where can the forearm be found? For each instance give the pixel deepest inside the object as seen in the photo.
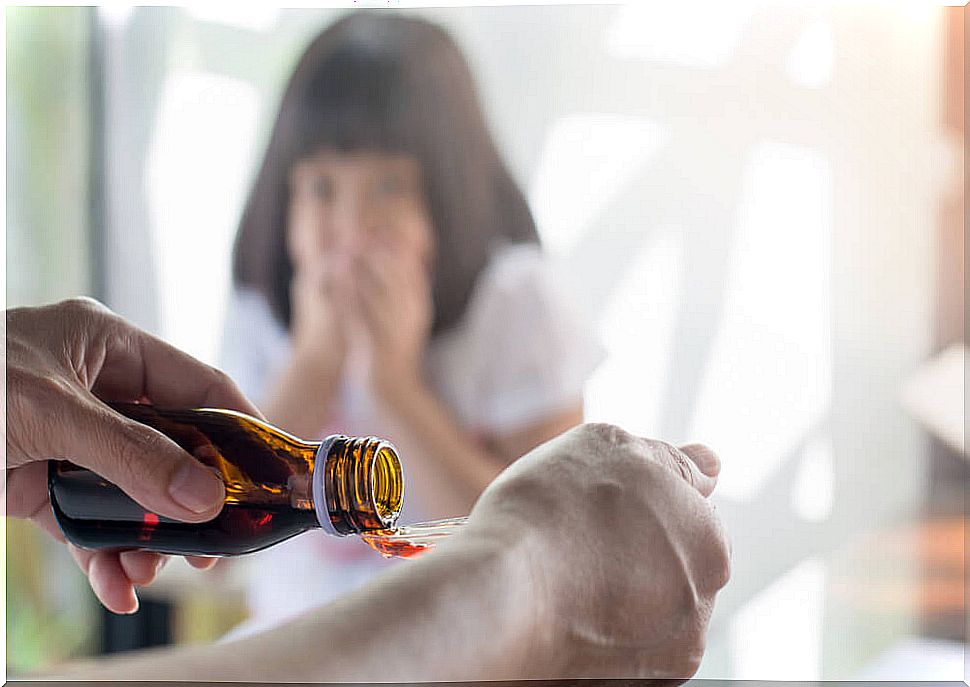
(301, 399)
(456, 614)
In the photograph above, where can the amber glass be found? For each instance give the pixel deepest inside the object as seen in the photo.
(277, 486)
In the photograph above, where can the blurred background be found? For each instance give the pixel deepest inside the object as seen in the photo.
(759, 209)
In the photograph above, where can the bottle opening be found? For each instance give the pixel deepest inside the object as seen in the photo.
(388, 485)
(360, 487)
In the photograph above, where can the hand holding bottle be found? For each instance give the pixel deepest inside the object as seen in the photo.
(595, 555)
(60, 360)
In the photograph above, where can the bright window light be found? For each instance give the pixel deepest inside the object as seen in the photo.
(702, 34)
(768, 378)
(115, 15)
(637, 330)
(252, 16)
(778, 634)
(586, 161)
(812, 60)
(198, 165)
(814, 488)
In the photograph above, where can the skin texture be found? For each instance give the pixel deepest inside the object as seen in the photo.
(361, 242)
(596, 555)
(60, 360)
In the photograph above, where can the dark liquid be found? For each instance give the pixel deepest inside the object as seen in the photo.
(115, 521)
(258, 464)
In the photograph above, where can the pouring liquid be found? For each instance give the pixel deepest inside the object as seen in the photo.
(409, 541)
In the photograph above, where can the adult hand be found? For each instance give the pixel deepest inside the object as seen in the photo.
(61, 359)
(622, 549)
(394, 296)
(594, 555)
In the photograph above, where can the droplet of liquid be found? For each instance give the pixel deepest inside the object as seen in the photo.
(409, 541)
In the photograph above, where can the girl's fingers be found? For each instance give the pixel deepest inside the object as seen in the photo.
(370, 305)
(372, 292)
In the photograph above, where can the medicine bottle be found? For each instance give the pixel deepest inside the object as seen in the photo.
(277, 486)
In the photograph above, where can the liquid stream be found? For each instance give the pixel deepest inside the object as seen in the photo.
(409, 541)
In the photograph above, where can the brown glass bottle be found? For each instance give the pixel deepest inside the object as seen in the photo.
(277, 486)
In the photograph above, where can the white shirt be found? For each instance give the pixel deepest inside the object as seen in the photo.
(517, 356)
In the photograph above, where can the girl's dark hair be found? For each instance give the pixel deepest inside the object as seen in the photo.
(386, 82)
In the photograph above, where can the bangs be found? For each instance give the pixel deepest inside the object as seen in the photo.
(357, 100)
(347, 131)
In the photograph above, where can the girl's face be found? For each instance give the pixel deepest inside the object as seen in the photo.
(344, 206)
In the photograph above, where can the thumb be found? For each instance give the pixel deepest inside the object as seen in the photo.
(704, 458)
(691, 463)
(708, 467)
(148, 466)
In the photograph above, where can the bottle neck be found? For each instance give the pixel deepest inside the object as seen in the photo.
(357, 485)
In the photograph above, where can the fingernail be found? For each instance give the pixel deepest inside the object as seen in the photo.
(196, 488)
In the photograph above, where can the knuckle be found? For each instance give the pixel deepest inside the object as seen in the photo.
(80, 319)
(145, 454)
(678, 462)
(220, 388)
(606, 433)
(83, 305)
(49, 389)
(131, 453)
(121, 457)
(220, 379)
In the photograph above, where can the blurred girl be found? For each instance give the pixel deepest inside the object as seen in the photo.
(388, 281)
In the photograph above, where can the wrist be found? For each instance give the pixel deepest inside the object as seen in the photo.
(460, 613)
(479, 587)
(517, 601)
